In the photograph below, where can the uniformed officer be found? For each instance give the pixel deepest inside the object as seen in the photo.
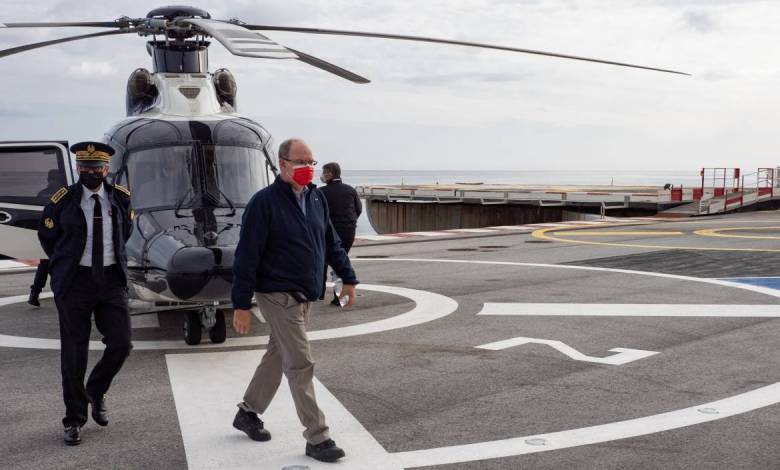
(83, 231)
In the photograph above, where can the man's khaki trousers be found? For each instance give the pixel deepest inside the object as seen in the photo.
(288, 353)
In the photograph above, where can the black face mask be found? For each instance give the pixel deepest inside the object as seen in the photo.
(91, 180)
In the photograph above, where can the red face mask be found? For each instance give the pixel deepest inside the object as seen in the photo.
(303, 175)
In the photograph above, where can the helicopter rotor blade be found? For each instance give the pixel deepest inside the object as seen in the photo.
(27, 47)
(239, 40)
(328, 67)
(70, 24)
(338, 32)
(243, 42)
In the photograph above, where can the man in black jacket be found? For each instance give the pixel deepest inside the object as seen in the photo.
(83, 231)
(345, 209)
(286, 236)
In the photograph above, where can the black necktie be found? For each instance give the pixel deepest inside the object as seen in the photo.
(97, 240)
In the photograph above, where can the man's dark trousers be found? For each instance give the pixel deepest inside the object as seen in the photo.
(41, 274)
(347, 236)
(107, 299)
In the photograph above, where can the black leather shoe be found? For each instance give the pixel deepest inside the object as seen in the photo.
(33, 300)
(72, 435)
(99, 412)
(326, 451)
(252, 425)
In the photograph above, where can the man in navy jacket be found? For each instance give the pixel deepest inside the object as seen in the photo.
(286, 238)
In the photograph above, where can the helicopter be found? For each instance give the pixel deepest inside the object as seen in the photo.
(190, 160)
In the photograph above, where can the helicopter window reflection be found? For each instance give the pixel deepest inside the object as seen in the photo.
(160, 177)
(30, 176)
(236, 173)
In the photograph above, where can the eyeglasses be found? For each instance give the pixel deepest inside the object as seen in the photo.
(302, 162)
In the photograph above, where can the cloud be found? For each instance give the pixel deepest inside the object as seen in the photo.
(700, 21)
(18, 110)
(92, 69)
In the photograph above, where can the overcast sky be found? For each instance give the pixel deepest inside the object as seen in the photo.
(432, 107)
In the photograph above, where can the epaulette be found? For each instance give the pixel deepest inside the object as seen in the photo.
(122, 189)
(56, 197)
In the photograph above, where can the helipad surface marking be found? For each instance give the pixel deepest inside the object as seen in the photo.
(734, 405)
(715, 232)
(206, 388)
(543, 235)
(630, 310)
(428, 307)
(622, 356)
(612, 233)
(737, 404)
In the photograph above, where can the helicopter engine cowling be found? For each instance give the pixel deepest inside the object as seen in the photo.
(142, 93)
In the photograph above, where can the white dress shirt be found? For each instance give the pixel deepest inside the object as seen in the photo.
(88, 207)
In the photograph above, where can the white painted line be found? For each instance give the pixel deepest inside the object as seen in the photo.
(428, 307)
(588, 222)
(427, 234)
(471, 230)
(18, 299)
(548, 225)
(377, 238)
(737, 404)
(10, 266)
(206, 388)
(623, 356)
(717, 282)
(149, 320)
(631, 310)
(513, 228)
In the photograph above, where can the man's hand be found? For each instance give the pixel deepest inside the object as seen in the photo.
(242, 320)
(348, 289)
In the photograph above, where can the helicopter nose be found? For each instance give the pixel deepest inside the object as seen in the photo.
(192, 260)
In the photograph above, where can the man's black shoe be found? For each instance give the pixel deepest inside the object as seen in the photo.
(99, 412)
(326, 451)
(252, 425)
(72, 435)
(335, 302)
(33, 300)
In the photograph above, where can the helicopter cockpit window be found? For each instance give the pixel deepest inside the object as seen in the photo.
(160, 177)
(237, 173)
(30, 177)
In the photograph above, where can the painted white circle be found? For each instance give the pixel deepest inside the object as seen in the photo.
(730, 406)
(428, 307)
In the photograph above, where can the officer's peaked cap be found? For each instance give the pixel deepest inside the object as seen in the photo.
(92, 154)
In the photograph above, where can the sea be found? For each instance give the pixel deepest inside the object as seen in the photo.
(585, 178)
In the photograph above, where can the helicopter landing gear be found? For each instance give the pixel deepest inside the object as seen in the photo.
(192, 328)
(218, 332)
(207, 317)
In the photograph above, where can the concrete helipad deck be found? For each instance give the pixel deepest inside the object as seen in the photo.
(608, 347)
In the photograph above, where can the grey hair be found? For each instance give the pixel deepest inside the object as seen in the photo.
(284, 147)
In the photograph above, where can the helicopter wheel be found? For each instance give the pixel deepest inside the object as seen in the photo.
(192, 328)
(218, 332)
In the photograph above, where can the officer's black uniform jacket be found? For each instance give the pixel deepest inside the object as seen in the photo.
(283, 250)
(63, 232)
(344, 204)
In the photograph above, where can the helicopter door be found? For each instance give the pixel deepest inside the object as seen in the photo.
(30, 173)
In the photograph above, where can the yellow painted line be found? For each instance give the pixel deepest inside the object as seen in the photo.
(619, 233)
(715, 232)
(542, 234)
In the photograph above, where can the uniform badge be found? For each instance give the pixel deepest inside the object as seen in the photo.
(48, 223)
